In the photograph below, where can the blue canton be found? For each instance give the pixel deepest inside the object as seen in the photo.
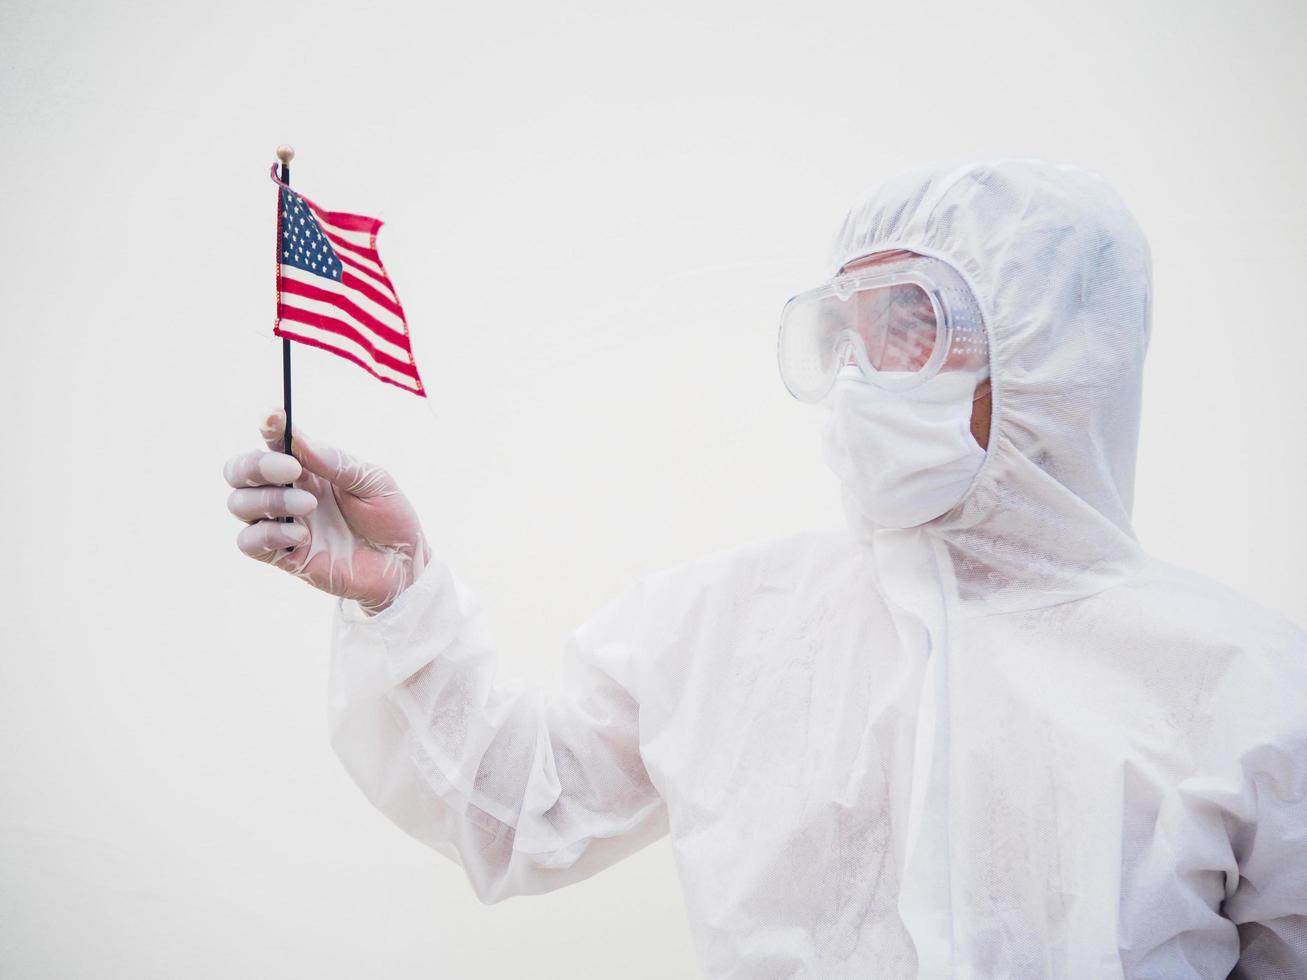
(303, 243)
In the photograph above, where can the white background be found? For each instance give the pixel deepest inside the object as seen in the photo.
(594, 213)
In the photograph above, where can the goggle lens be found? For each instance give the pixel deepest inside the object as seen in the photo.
(900, 325)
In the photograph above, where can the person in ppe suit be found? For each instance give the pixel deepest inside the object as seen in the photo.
(980, 734)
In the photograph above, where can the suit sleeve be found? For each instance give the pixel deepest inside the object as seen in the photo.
(1268, 833)
(527, 789)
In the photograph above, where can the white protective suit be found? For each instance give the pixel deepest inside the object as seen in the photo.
(1005, 743)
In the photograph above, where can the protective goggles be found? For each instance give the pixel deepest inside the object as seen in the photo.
(901, 322)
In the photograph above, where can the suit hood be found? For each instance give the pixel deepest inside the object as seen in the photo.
(1063, 276)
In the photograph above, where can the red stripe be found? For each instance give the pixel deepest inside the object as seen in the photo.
(348, 356)
(346, 221)
(346, 305)
(381, 281)
(371, 254)
(354, 282)
(343, 329)
(350, 222)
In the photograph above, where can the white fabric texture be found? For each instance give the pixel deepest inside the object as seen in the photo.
(903, 457)
(1005, 743)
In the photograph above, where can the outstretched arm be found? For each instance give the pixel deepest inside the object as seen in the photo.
(1268, 833)
(529, 790)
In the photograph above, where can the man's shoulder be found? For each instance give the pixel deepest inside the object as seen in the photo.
(1219, 610)
(1251, 655)
(738, 576)
(708, 601)
(769, 561)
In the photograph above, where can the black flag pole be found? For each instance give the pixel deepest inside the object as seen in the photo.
(285, 153)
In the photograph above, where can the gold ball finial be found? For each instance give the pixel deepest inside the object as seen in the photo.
(285, 153)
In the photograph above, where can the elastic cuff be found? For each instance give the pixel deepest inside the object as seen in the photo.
(352, 612)
(414, 629)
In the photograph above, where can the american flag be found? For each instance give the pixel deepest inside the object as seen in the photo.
(333, 291)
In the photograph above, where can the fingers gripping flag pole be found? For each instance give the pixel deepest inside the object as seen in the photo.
(333, 293)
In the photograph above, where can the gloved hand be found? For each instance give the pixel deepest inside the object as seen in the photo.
(355, 535)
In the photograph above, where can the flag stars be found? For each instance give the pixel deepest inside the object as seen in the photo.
(305, 245)
(309, 255)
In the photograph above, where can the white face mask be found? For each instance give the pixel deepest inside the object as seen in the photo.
(904, 457)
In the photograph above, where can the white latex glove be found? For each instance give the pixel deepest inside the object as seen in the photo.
(354, 535)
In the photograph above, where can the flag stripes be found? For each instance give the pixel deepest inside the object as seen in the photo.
(333, 291)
